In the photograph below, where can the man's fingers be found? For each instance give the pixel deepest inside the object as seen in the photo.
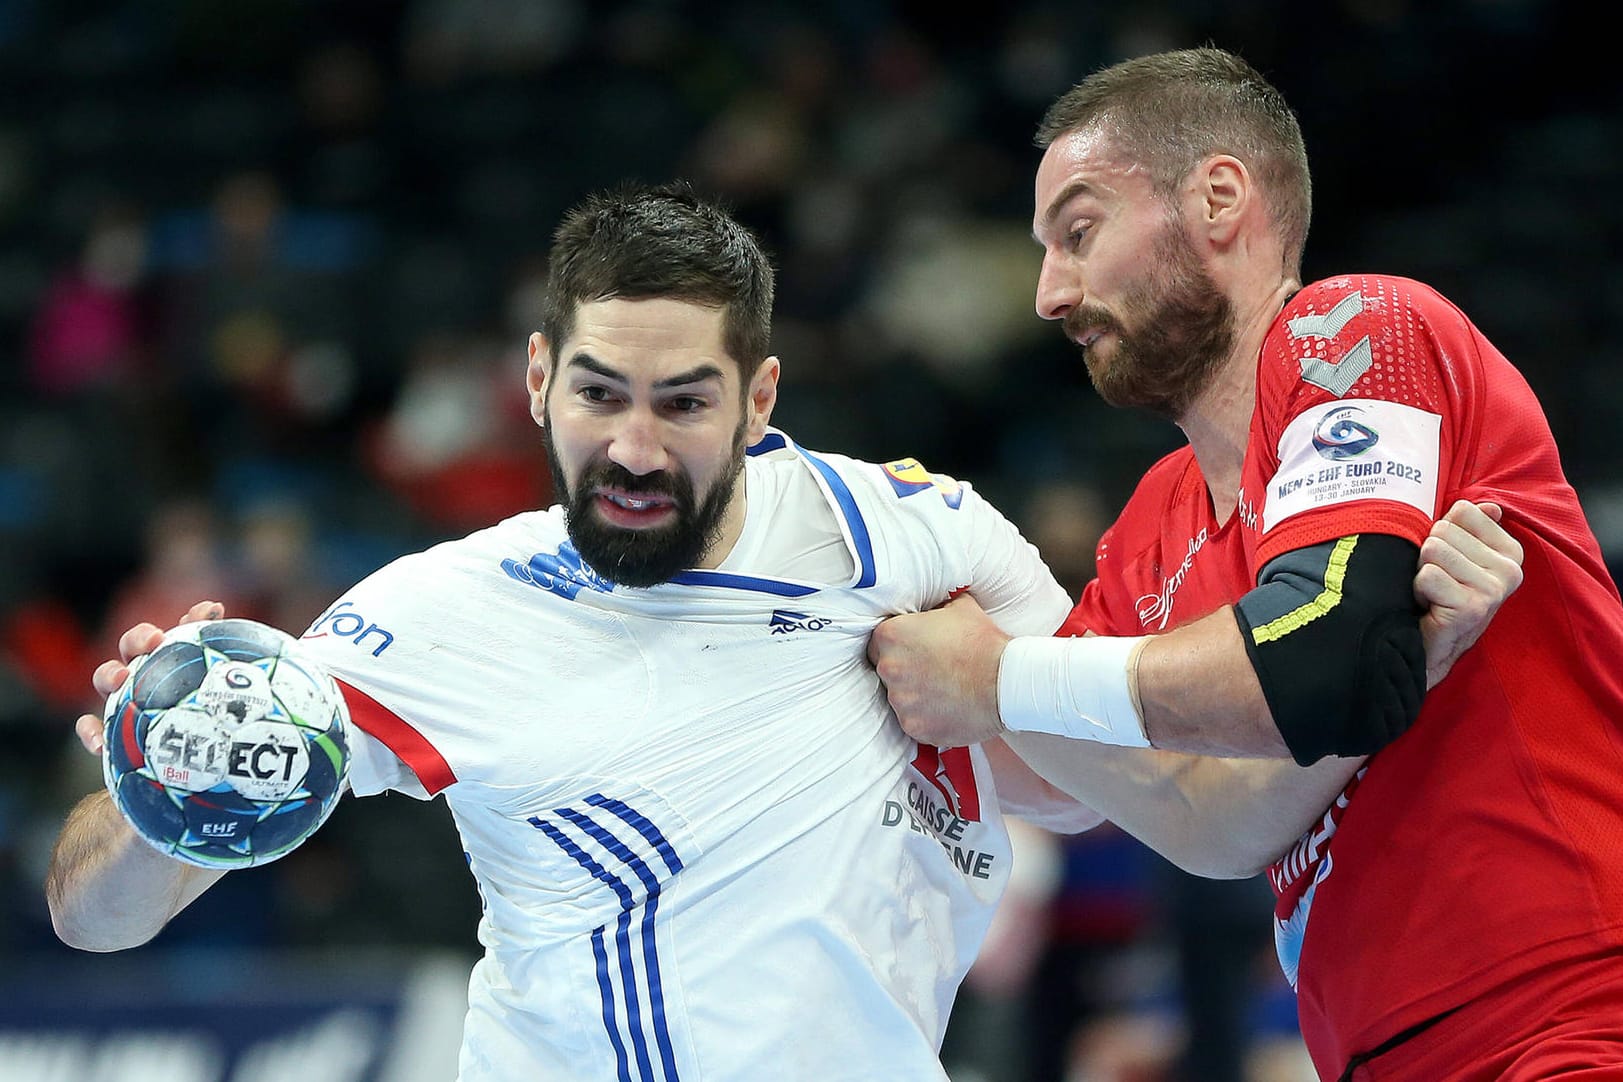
(144, 638)
(203, 610)
(876, 641)
(1467, 515)
(1435, 588)
(1488, 546)
(109, 677)
(1456, 566)
(1480, 522)
(89, 730)
(1456, 548)
(141, 639)
(1462, 510)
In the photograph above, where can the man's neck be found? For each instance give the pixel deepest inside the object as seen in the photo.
(732, 523)
(1218, 424)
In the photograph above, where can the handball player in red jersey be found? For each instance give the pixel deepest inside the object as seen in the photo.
(1457, 913)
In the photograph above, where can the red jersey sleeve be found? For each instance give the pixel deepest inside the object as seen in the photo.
(1363, 391)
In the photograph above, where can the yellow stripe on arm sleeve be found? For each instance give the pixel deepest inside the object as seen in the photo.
(1328, 599)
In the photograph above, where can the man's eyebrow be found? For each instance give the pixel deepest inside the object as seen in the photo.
(1066, 194)
(696, 374)
(596, 367)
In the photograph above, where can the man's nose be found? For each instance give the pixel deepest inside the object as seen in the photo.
(636, 445)
(1059, 289)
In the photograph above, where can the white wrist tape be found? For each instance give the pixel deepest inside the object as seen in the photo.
(1082, 688)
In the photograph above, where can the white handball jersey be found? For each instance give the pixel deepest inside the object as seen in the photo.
(705, 849)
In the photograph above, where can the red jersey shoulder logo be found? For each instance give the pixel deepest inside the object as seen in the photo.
(1336, 376)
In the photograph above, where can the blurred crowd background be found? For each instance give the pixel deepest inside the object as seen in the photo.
(267, 268)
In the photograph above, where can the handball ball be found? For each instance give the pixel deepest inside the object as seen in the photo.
(226, 746)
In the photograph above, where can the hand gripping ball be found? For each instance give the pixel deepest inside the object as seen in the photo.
(226, 747)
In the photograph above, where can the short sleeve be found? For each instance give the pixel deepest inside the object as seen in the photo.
(370, 641)
(1007, 575)
(1359, 388)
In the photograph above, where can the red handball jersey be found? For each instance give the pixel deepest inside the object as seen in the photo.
(1477, 847)
(1166, 561)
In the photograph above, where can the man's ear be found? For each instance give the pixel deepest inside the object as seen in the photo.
(535, 376)
(1226, 192)
(763, 395)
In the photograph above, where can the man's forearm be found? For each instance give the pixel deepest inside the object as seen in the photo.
(1199, 693)
(1215, 817)
(1190, 690)
(107, 889)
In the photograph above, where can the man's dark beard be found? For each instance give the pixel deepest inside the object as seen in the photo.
(1184, 329)
(650, 556)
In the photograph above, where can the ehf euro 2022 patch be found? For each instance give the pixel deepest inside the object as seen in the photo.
(907, 476)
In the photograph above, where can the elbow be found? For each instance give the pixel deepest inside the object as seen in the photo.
(80, 929)
(69, 932)
(1210, 853)
(1237, 866)
(1349, 679)
(84, 937)
(1208, 863)
(74, 933)
(1241, 854)
(1212, 864)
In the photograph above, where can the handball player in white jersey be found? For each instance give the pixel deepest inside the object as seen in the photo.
(705, 849)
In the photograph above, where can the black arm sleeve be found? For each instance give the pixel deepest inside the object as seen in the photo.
(1333, 632)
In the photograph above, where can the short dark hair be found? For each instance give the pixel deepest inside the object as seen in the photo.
(1170, 110)
(639, 242)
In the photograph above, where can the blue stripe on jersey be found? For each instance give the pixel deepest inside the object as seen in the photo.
(853, 517)
(605, 985)
(605, 991)
(650, 952)
(742, 582)
(777, 441)
(772, 441)
(642, 826)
